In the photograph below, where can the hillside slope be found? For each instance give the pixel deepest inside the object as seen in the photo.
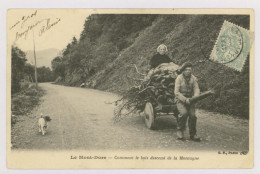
(189, 38)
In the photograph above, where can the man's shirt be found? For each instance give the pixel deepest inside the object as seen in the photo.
(186, 88)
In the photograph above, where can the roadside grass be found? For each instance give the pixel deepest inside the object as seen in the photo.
(23, 102)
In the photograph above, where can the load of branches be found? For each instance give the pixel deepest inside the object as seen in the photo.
(157, 87)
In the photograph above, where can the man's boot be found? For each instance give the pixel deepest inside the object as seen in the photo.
(195, 138)
(180, 135)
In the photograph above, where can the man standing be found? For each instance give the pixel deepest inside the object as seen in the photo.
(186, 87)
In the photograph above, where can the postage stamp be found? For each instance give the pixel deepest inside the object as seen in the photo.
(232, 46)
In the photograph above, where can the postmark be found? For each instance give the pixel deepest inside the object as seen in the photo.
(232, 46)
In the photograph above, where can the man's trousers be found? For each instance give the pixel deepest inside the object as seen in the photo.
(185, 112)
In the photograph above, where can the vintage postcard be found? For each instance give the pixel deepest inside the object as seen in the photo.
(130, 88)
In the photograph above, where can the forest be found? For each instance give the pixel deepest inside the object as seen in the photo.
(23, 73)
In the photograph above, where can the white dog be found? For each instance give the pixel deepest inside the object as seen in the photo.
(43, 123)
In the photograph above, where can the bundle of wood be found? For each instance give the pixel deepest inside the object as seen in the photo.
(157, 88)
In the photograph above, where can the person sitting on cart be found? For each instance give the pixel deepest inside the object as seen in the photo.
(186, 87)
(160, 57)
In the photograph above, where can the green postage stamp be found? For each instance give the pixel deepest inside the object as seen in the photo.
(232, 46)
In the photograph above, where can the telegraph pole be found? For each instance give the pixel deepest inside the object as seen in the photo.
(35, 67)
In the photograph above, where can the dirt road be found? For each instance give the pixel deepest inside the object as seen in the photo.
(82, 120)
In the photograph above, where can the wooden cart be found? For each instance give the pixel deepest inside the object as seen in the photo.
(154, 108)
(151, 111)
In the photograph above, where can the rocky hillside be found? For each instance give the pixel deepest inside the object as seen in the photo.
(111, 44)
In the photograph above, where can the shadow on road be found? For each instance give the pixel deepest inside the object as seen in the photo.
(165, 122)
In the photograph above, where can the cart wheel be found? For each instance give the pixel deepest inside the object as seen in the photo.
(149, 115)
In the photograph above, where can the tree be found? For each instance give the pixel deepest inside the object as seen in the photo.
(18, 64)
(45, 74)
(29, 71)
(74, 41)
(104, 36)
(58, 67)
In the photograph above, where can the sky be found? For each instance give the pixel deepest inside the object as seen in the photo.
(51, 28)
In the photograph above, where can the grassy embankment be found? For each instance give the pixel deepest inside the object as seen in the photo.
(23, 102)
(189, 38)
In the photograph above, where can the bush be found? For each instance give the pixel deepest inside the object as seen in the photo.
(24, 101)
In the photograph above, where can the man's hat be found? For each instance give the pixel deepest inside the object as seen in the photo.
(185, 65)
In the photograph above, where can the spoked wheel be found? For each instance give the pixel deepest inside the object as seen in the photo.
(149, 116)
